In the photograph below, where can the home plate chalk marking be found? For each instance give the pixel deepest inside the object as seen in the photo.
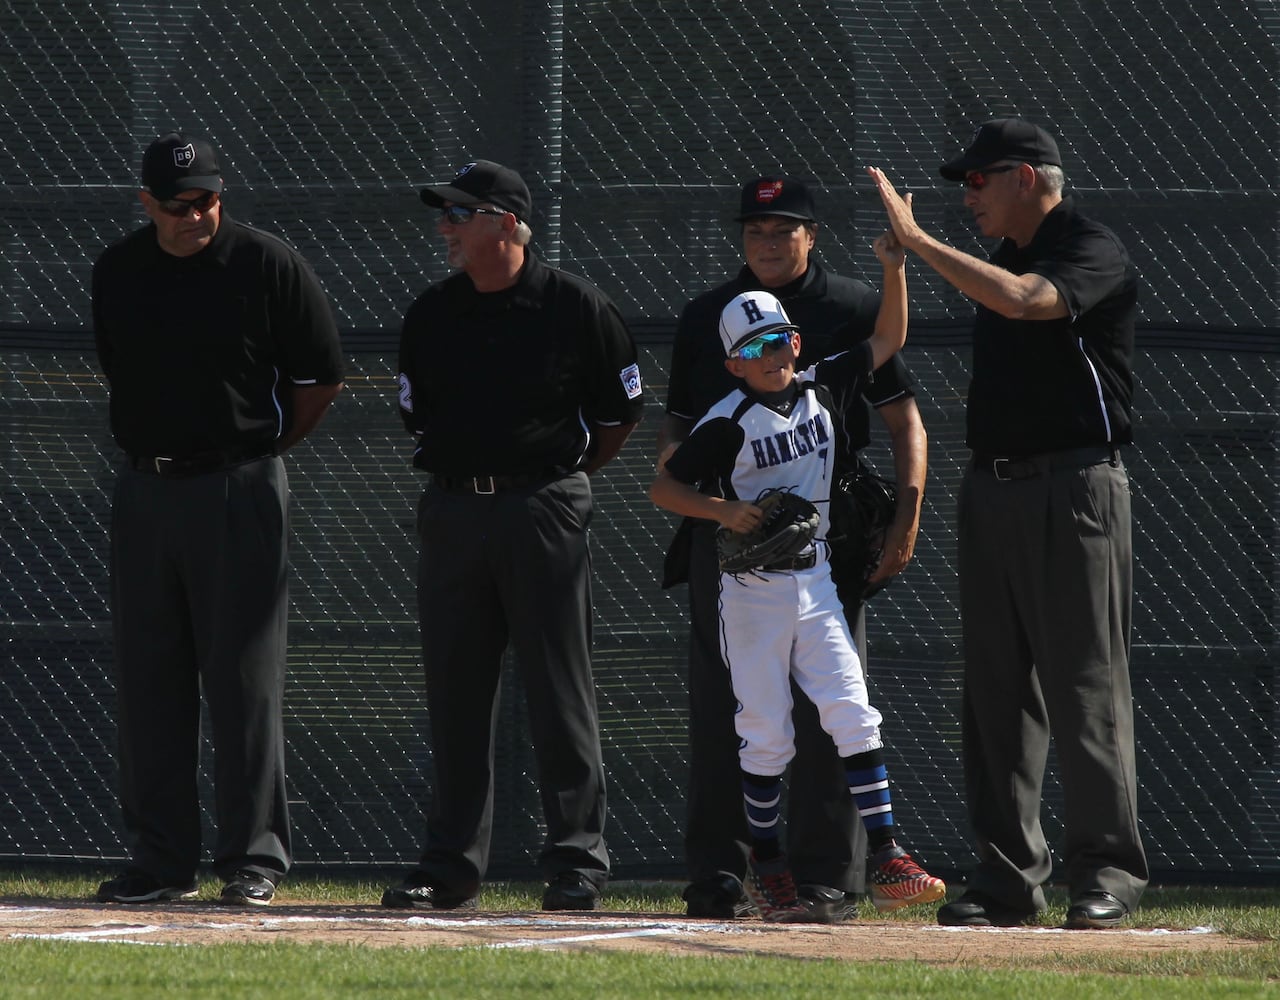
(572, 931)
(1132, 931)
(580, 938)
(112, 934)
(602, 929)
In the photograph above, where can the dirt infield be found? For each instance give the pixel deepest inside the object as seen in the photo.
(202, 923)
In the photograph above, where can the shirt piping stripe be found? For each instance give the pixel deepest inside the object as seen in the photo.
(1097, 385)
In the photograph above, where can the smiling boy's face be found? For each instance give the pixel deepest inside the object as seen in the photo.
(774, 370)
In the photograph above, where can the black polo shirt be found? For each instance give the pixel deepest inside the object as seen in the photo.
(833, 313)
(201, 352)
(512, 382)
(1049, 385)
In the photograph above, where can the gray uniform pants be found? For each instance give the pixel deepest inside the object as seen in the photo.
(199, 603)
(1046, 587)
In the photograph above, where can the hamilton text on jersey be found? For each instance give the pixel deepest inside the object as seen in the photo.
(790, 444)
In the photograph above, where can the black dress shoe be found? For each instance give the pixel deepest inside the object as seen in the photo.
(570, 891)
(718, 897)
(1095, 909)
(977, 909)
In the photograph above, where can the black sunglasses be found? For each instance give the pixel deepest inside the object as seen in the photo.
(977, 180)
(460, 215)
(179, 208)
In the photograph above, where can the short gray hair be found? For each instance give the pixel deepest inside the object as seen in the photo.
(1052, 176)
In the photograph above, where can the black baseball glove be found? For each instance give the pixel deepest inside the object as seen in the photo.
(863, 506)
(787, 529)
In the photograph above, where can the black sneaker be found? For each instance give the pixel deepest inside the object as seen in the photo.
(827, 905)
(570, 891)
(139, 887)
(248, 889)
(719, 897)
(413, 894)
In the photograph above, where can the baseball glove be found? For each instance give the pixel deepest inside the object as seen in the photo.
(863, 506)
(787, 529)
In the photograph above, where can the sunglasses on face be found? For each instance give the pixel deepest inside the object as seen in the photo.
(756, 348)
(180, 207)
(460, 215)
(977, 180)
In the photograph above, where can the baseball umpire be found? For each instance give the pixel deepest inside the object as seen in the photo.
(221, 353)
(832, 312)
(503, 529)
(1045, 534)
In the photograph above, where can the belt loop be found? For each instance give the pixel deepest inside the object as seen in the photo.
(477, 480)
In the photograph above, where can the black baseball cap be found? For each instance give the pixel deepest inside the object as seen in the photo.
(776, 196)
(1004, 139)
(480, 182)
(177, 162)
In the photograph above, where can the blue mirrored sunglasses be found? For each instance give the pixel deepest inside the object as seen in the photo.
(756, 348)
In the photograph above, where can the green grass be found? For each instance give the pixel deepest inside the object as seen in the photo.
(232, 972)
(290, 971)
(299, 972)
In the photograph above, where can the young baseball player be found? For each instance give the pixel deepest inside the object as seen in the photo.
(781, 429)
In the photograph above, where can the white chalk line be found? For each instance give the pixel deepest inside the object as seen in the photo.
(580, 938)
(1134, 931)
(603, 928)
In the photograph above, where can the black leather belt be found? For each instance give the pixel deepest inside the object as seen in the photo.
(1013, 467)
(794, 563)
(488, 485)
(190, 465)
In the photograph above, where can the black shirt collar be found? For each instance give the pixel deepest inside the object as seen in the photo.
(812, 283)
(217, 253)
(1051, 226)
(524, 293)
(781, 401)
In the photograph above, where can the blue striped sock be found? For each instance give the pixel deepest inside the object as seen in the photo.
(869, 787)
(762, 796)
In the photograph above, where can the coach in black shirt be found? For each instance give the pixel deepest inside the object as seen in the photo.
(221, 352)
(517, 381)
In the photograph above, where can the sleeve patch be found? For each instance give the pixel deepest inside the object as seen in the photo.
(406, 393)
(631, 381)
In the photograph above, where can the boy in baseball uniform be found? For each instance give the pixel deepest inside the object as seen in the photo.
(783, 430)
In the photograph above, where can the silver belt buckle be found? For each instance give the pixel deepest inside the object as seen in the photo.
(476, 482)
(159, 467)
(995, 468)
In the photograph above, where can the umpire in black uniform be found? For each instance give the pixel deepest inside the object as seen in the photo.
(221, 353)
(826, 840)
(1045, 535)
(518, 381)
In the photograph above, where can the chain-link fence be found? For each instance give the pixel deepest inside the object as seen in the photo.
(635, 123)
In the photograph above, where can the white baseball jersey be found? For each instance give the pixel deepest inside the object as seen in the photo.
(777, 625)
